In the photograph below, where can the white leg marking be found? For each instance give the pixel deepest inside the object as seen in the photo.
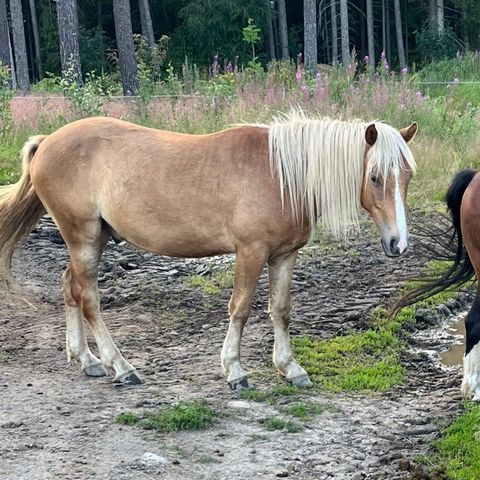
(471, 374)
(231, 353)
(400, 214)
(77, 346)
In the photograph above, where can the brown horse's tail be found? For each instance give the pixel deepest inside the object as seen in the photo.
(20, 208)
(452, 249)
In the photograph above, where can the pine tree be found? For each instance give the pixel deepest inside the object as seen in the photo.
(125, 46)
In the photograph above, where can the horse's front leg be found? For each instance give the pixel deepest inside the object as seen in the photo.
(249, 264)
(280, 278)
(471, 361)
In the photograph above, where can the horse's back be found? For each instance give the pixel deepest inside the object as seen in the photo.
(171, 193)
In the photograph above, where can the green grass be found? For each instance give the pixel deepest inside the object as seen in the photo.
(306, 410)
(196, 415)
(128, 418)
(276, 423)
(458, 452)
(269, 396)
(367, 361)
(212, 284)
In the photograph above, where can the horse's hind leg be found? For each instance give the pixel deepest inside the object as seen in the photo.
(248, 267)
(280, 278)
(77, 346)
(85, 251)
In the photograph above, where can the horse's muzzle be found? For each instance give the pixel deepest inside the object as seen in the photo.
(392, 247)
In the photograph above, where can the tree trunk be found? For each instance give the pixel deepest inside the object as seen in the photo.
(100, 31)
(345, 33)
(270, 35)
(283, 27)
(466, 40)
(440, 17)
(384, 27)
(126, 50)
(388, 53)
(19, 47)
(398, 27)
(370, 34)
(310, 34)
(432, 13)
(67, 18)
(333, 14)
(146, 22)
(36, 39)
(4, 35)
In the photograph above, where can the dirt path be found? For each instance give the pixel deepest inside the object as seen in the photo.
(55, 423)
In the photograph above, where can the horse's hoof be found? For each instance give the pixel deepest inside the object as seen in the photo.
(129, 378)
(241, 384)
(95, 370)
(302, 381)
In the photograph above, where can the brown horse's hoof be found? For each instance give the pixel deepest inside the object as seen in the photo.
(95, 370)
(241, 384)
(129, 378)
(302, 381)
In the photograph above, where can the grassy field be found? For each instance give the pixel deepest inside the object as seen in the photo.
(449, 118)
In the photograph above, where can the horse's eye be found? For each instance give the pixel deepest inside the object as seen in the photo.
(375, 180)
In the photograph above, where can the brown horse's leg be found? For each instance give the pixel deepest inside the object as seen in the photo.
(249, 264)
(280, 279)
(85, 253)
(77, 346)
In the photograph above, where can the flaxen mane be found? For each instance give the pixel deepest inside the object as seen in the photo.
(320, 163)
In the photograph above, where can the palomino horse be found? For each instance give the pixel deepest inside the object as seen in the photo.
(463, 202)
(256, 190)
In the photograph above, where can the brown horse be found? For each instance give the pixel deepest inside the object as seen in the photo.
(463, 202)
(256, 190)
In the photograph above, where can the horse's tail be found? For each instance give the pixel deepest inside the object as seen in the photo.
(461, 270)
(20, 208)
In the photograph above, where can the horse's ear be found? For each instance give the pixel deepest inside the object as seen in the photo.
(371, 134)
(409, 132)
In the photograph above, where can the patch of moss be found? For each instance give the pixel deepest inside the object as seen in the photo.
(357, 362)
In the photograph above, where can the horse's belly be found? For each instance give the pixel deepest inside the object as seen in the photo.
(181, 240)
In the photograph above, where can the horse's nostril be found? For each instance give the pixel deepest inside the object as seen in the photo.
(394, 245)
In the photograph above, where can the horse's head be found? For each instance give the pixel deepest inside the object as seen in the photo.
(388, 168)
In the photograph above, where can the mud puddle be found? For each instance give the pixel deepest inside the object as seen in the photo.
(454, 355)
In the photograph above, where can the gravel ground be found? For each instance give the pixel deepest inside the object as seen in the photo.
(56, 423)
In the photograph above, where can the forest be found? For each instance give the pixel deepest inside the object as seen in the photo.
(44, 38)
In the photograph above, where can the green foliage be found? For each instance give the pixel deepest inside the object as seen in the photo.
(459, 449)
(210, 27)
(214, 283)
(251, 35)
(435, 46)
(6, 95)
(88, 99)
(128, 418)
(196, 415)
(49, 84)
(276, 423)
